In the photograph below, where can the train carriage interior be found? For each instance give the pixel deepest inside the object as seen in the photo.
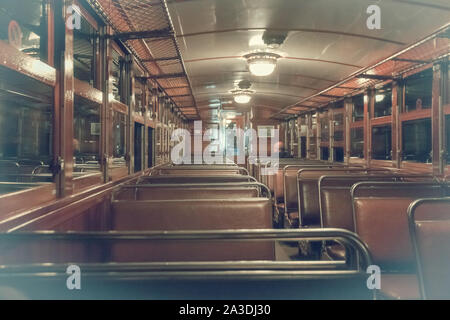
(225, 149)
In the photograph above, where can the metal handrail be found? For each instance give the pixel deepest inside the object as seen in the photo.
(202, 185)
(358, 258)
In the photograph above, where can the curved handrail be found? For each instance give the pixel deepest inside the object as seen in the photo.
(207, 269)
(200, 185)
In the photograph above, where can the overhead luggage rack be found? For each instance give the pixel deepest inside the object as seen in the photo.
(146, 29)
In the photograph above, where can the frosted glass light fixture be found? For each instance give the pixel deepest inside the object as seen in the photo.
(242, 96)
(261, 64)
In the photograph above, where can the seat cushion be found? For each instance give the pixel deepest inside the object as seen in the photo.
(401, 286)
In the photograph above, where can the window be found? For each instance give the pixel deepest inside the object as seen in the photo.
(418, 90)
(324, 129)
(85, 47)
(26, 131)
(119, 138)
(23, 24)
(383, 102)
(382, 142)
(117, 75)
(87, 129)
(357, 142)
(338, 154)
(324, 153)
(416, 140)
(138, 96)
(338, 127)
(358, 108)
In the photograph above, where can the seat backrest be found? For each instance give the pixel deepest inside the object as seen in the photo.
(178, 193)
(429, 221)
(381, 220)
(335, 200)
(250, 213)
(288, 181)
(307, 197)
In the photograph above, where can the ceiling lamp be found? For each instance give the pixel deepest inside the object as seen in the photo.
(242, 96)
(262, 63)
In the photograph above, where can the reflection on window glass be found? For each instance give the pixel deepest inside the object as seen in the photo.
(117, 74)
(382, 142)
(324, 153)
(23, 24)
(324, 130)
(358, 108)
(87, 129)
(26, 128)
(85, 46)
(338, 127)
(418, 90)
(338, 154)
(138, 96)
(383, 101)
(357, 142)
(119, 147)
(416, 140)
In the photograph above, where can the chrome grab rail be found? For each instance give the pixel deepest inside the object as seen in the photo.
(358, 256)
(200, 185)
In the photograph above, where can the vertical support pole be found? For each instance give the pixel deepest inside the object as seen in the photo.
(369, 99)
(308, 135)
(331, 135)
(105, 141)
(65, 87)
(397, 89)
(439, 98)
(348, 109)
(129, 101)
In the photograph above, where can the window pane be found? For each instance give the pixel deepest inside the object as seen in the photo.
(358, 108)
(324, 153)
(117, 69)
(383, 102)
(119, 134)
(324, 130)
(138, 96)
(23, 23)
(338, 127)
(416, 140)
(338, 154)
(85, 45)
(357, 142)
(418, 91)
(381, 143)
(26, 129)
(86, 118)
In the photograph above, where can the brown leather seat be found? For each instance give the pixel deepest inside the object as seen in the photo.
(399, 286)
(307, 181)
(249, 213)
(381, 221)
(336, 210)
(430, 225)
